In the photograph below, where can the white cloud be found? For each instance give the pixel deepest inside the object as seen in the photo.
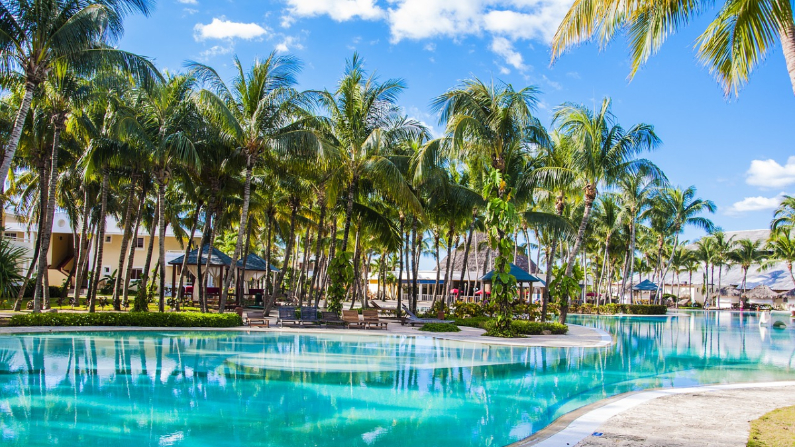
(339, 10)
(758, 203)
(770, 174)
(190, 11)
(287, 44)
(504, 48)
(220, 28)
(187, 2)
(430, 47)
(216, 50)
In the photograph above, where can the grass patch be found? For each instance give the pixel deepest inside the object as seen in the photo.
(775, 429)
(137, 319)
(440, 327)
(518, 327)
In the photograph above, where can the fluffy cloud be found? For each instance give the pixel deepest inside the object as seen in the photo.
(187, 2)
(504, 48)
(755, 204)
(502, 20)
(339, 10)
(287, 44)
(215, 50)
(770, 174)
(225, 29)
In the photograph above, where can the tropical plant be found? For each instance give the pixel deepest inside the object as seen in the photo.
(746, 253)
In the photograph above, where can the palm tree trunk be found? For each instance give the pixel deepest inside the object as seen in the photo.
(590, 196)
(133, 246)
(348, 213)
(302, 277)
(100, 239)
(45, 232)
(124, 241)
(629, 271)
(660, 288)
(270, 295)
(208, 254)
(161, 244)
(241, 283)
(313, 288)
(16, 133)
(399, 309)
(33, 263)
(241, 232)
(438, 266)
(466, 255)
(788, 46)
(198, 285)
(288, 250)
(44, 191)
(184, 268)
(85, 244)
(415, 262)
(447, 263)
(143, 305)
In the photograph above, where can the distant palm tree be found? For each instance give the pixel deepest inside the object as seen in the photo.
(37, 34)
(784, 216)
(733, 44)
(722, 247)
(781, 246)
(747, 253)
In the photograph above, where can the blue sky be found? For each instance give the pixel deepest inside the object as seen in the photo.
(736, 151)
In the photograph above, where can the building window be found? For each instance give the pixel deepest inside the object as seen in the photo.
(136, 273)
(139, 242)
(108, 239)
(12, 236)
(107, 270)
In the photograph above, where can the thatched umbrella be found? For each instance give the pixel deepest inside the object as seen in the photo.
(730, 292)
(761, 292)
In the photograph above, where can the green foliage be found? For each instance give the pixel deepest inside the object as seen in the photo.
(153, 319)
(340, 272)
(562, 287)
(518, 327)
(10, 260)
(501, 220)
(140, 303)
(440, 327)
(464, 310)
(477, 322)
(614, 309)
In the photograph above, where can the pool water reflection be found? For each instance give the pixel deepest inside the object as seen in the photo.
(241, 389)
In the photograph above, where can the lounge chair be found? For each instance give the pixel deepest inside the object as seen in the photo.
(287, 314)
(331, 318)
(309, 315)
(411, 319)
(371, 319)
(351, 319)
(255, 318)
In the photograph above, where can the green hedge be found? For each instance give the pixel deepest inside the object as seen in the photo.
(440, 327)
(477, 322)
(521, 327)
(140, 319)
(613, 309)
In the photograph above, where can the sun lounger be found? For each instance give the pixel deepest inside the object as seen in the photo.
(371, 319)
(309, 315)
(411, 319)
(287, 314)
(351, 319)
(331, 318)
(255, 318)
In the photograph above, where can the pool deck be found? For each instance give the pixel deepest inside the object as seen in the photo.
(716, 415)
(577, 337)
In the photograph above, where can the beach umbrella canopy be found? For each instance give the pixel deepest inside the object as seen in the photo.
(454, 291)
(480, 292)
(761, 292)
(256, 263)
(517, 272)
(645, 286)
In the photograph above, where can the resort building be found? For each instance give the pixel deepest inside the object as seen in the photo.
(63, 245)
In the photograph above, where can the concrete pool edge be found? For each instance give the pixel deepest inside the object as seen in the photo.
(575, 426)
(578, 337)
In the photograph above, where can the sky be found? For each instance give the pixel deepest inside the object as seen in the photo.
(737, 151)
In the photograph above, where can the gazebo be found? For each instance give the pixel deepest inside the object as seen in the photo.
(522, 278)
(219, 266)
(645, 286)
(255, 270)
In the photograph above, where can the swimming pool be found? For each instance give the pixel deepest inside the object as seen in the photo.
(255, 389)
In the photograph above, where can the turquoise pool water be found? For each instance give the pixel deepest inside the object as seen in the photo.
(267, 389)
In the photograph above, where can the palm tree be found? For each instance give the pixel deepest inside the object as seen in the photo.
(734, 43)
(784, 216)
(604, 153)
(781, 247)
(747, 253)
(679, 209)
(35, 35)
(607, 219)
(722, 247)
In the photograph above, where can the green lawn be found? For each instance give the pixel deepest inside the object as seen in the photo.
(775, 429)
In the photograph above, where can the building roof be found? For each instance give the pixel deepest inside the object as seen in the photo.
(483, 261)
(62, 225)
(517, 272)
(217, 258)
(256, 263)
(645, 286)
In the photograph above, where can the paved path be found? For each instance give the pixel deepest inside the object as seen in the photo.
(578, 336)
(693, 417)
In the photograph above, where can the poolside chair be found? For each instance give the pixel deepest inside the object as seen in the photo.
(287, 314)
(371, 319)
(411, 319)
(309, 315)
(351, 319)
(328, 318)
(255, 318)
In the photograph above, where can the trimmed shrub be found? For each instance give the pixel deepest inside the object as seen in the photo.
(519, 328)
(476, 322)
(440, 327)
(631, 309)
(137, 319)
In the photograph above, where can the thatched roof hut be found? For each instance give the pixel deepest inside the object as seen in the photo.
(730, 292)
(481, 262)
(761, 292)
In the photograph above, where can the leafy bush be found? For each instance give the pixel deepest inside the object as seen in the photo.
(476, 322)
(139, 319)
(465, 310)
(531, 327)
(613, 309)
(440, 327)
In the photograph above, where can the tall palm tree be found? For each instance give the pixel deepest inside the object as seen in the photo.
(37, 34)
(679, 209)
(734, 43)
(745, 254)
(252, 112)
(784, 216)
(722, 247)
(604, 153)
(781, 246)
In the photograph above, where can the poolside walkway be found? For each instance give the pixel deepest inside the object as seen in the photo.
(578, 336)
(716, 415)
